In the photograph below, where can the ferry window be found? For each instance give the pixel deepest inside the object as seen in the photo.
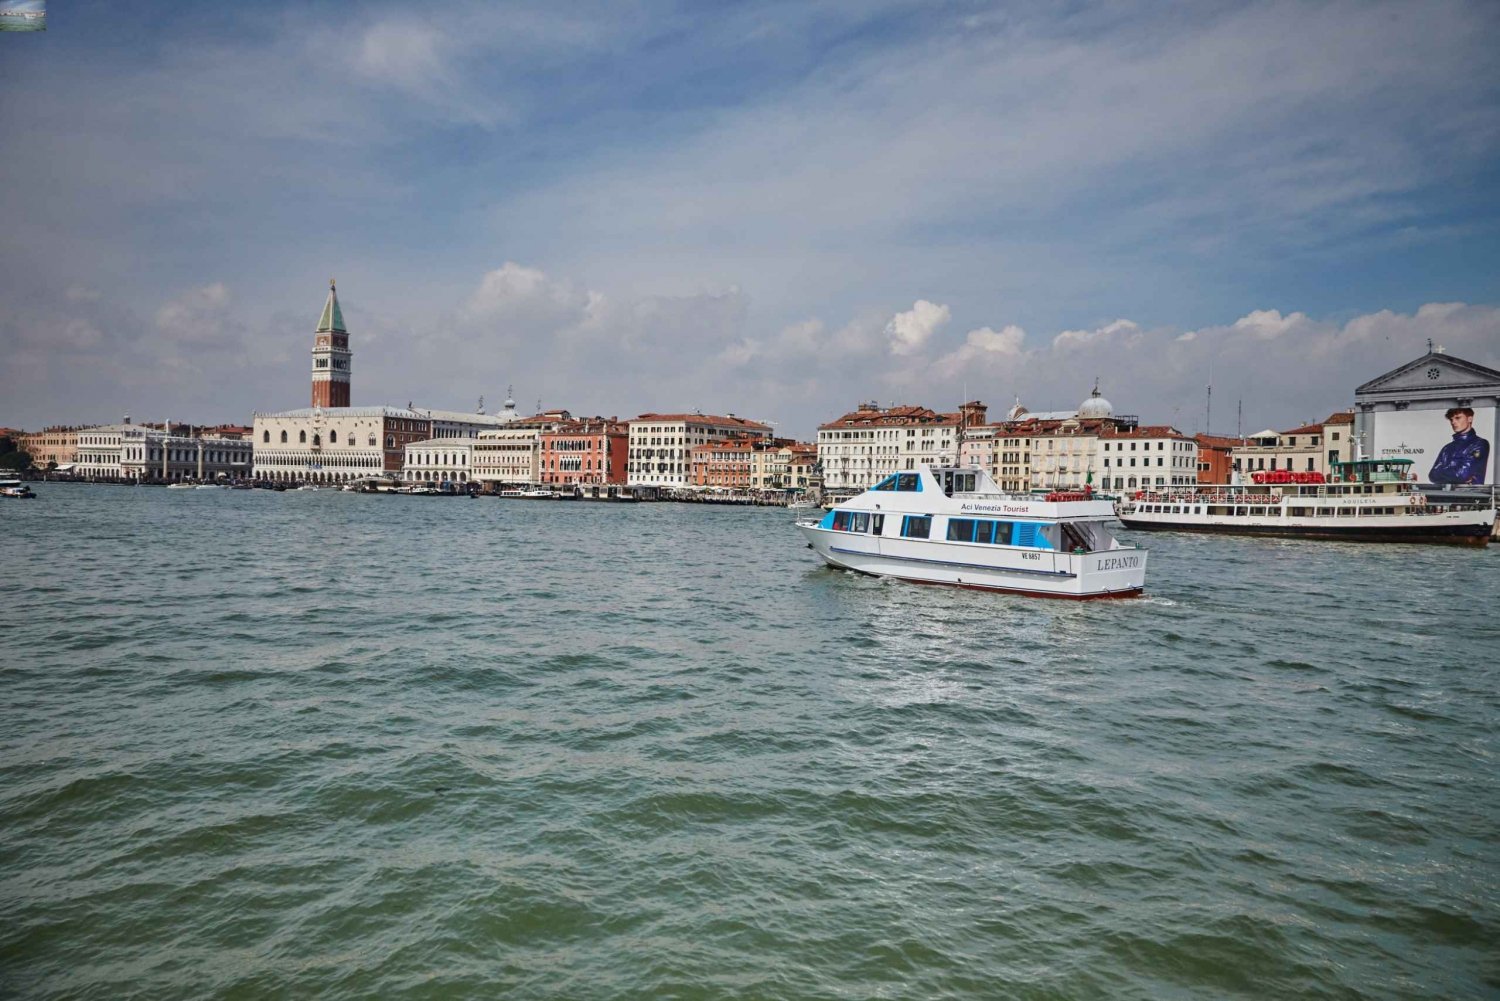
(877, 524)
(908, 482)
(960, 530)
(916, 526)
(984, 531)
(859, 523)
(1003, 532)
(841, 521)
(889, 483)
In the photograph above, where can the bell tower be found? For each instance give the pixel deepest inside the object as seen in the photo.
(331, 356)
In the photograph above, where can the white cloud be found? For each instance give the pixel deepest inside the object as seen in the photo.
(1123, 330)
(909, 332)
(1269, 324)
(981, 349)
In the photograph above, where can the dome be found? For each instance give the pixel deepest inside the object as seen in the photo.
(1016, 411)
(1096, 406)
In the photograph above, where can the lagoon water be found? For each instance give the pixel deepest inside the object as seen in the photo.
(259, 745)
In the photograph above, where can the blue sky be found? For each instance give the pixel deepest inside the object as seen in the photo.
(771, 209)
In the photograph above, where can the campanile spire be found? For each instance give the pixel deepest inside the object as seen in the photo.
(331, 366)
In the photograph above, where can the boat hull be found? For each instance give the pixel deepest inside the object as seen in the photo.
(1454, 533)
(1110, 574)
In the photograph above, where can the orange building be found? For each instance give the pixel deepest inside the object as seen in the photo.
(1215, 459)
(724, 463)
(584, 451)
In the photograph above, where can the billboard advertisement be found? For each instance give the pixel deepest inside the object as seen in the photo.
(1444, 448)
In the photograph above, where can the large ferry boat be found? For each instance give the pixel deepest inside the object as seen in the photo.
(953, 525)
(1366, 500)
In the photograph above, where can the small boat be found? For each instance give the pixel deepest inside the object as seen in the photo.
(1367, 500)
(801, 505)
(14, 489)
(207, 486)
(180, 486)
(309, 486)
(954, 526)
(538, 494)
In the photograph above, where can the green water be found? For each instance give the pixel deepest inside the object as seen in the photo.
(260, 745)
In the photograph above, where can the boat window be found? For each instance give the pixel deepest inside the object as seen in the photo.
(859, 523)
(909, 482)
(840, 521)
(877, 524)
(916, 526)
(1031, 536)
(889, 483)
(1003, 532)
(984, 531)
(960, 530)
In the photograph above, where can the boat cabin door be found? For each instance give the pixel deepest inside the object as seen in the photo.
(877, 525)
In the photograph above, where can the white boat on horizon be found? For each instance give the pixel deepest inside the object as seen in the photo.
(954, 526)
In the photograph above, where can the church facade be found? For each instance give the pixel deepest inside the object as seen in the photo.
(1440, 411)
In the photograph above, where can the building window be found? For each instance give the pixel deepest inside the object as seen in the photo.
(333, 437)
(302, 437)
(266, 437)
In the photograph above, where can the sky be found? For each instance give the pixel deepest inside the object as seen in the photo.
(772, 209)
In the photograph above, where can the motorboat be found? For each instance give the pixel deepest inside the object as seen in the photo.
(954, 526)
(1366, 500)
(13, 489)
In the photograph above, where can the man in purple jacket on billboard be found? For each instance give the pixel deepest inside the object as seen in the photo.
(1466, 458)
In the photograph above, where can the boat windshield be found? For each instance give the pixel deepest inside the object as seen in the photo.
(905, 482)
(1373, 470)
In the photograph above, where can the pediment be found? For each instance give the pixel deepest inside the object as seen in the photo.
(1434, 373)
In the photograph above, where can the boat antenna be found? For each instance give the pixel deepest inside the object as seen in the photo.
(1208, 416)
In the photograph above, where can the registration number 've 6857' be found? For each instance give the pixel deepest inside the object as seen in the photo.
(1031, 556)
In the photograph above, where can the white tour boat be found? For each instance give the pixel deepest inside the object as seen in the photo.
(1369, 500)
(950, 525)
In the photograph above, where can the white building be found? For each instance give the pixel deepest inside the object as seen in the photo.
(334, 444)
(660, 445)
(1157, 456)
(507, 457)
(137, 453)
(440, 460)
(864, 446)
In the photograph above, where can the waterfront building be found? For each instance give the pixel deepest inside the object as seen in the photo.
(864, 446)
(1403, 414)
(143, 454)
(439, 460)
(51, 447)
(771, 465)
(1304, 449)
(99, 452)
(587, 451)
(1140, 457)
(506, 457)
(1215, 457)
(722, 464)
(802, 469)
(660, 445)
(335, 445)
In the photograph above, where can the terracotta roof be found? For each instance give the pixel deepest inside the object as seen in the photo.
(1217, 441)
(714, 419)
(1342, 417)
(1306, 429)
(899, 416)
(1149, 431)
